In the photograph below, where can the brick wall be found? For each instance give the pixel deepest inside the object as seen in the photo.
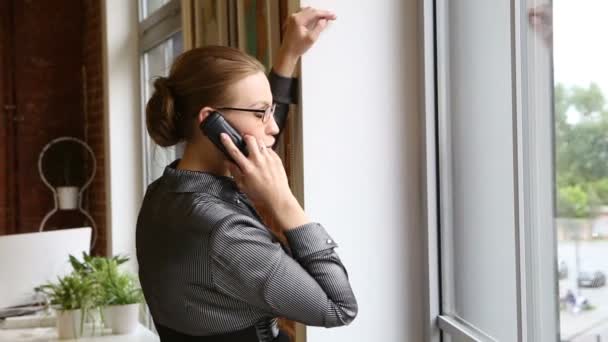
(47, 78)
(56, 48)
(94, 121)
(6, 188)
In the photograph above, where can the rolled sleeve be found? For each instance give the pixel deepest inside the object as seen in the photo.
(284, 92)
(309, 239)
(284, 89)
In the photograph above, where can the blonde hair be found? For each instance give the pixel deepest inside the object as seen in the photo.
(199, 77)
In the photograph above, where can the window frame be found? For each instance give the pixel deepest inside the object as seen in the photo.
(160, 25)
(154, 29)
(534, 193)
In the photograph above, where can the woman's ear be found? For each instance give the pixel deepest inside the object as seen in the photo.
(203, 114)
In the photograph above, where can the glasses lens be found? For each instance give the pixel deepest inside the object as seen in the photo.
(269, 112)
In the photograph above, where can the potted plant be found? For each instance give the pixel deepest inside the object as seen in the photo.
(122, 300)
(74, 297)
(67, 194)
(120, 294)
(67, 197)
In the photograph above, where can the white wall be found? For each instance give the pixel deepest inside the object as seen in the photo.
(362, 139)
(123, 127)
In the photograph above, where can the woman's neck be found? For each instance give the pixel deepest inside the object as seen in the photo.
(203, 159)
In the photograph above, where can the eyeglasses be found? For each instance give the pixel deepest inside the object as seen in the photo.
(263, 114)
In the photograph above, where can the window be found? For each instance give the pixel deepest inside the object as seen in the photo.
(581, 168)
(477, 170)
(148, 7)
(522, 169)
(495, 197)
(161, 40)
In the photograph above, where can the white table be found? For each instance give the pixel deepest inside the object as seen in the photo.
(142, 334)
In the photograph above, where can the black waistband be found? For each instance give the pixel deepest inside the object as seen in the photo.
(251, 334)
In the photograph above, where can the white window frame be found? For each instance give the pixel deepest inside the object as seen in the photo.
(538, 314)
(154, 29)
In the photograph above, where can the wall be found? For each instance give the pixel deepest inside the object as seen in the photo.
(44, 59)
(123, 126)
(94, 119)
(48, 98)
(362, 137)
(6, 219)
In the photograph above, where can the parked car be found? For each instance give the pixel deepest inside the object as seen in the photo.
(591, 279)
(562, 270)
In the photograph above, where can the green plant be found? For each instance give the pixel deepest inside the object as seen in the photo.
(121, 289)
(94, 282)
(91, 264)
(116, 287)
(73, 292)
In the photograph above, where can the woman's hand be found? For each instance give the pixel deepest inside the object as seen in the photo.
(541, 20)
(301, 32)
(263, 179)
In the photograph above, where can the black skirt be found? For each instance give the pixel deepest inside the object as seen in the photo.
(245, 335)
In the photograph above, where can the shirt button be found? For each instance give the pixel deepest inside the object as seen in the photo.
(237, 201)
(329, 241)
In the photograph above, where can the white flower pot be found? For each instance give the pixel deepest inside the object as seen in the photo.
(122, 319)
(68, 324)
(68, 197)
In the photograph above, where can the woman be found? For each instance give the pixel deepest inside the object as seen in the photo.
(209, 267)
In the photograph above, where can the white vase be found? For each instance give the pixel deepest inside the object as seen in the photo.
(122, 319)
(69, 324)
(68, 197)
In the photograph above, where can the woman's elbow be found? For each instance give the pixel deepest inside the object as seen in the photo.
(345, 314)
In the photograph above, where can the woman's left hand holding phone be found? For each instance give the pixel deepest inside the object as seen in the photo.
(262, 177)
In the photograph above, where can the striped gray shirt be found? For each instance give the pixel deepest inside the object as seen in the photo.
(209, 265)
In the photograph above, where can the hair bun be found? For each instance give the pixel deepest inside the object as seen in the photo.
(162, 84)
(161, 118)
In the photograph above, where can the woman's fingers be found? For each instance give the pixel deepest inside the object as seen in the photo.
(253, 147)
(316, 31)
(260, 170)
(309, 15)
(257, 152)
(236, 154)
(301, 32)
(263, 148)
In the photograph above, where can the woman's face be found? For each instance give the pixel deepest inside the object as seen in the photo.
(252, 92)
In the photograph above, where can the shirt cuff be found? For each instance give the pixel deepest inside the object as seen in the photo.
(284, 89)
(309, 239)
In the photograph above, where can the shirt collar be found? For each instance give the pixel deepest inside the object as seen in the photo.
(197, 181)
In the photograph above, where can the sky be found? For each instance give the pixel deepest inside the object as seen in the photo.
(580, 38)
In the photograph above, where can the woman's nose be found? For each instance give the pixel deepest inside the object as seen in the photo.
(272, 128)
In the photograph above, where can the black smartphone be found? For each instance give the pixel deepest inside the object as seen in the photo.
(214, 125)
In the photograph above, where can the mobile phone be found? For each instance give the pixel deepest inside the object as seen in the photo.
(214, 125)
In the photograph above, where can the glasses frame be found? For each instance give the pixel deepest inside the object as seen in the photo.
(267, 113)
